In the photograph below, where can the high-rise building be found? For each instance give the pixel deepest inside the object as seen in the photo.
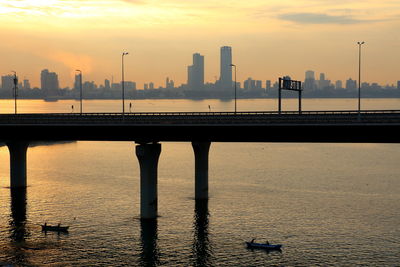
(7, 83)
(309, 82)
(77, 82)
(351, 84)
(107, 84)
(169, 84)
(268, 85)
(398, 84)
(196, 73)
(27, 85)
(323, 83)
(338, 84)
(225, 80)
(49, 80)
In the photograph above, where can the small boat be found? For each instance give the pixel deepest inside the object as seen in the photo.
(54, 228)
(263, 246)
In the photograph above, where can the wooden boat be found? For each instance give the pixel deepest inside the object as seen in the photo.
(263, 246)
(54, 228)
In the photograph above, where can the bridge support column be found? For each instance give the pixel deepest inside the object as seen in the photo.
(148, 155)
(17, 163)
(201, 150)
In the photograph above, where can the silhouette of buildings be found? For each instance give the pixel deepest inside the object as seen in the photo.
(225, 80)
(309, 82)
(351, 84)
(338, 84)
(7, 83)
(196, 73)
(398, 84)
(49, 81)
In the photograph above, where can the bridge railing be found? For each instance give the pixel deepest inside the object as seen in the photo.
(202, 117)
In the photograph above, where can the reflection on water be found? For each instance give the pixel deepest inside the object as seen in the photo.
(150, 253)
(202, 249)
(17, 222)
(18, 231)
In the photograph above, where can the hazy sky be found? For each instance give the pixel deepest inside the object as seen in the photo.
(270, 38)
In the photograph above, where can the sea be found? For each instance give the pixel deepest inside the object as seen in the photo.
(328, 204)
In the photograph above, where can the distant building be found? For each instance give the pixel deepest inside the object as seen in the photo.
(338, 84)
(225, 80)
(323, 83)
(351, 84)
(49, 81)
(151, 86)
(77, 82)
(196, 73)
(107, 84)
(27, 85)
(145, 86)
(398, 85)
(251, 84)
(7, 83)
(88, 86)
(268, 85)
(130, 86)
(169, 84)
(309, 82)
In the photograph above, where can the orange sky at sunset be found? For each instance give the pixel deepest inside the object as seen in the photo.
(270, 38)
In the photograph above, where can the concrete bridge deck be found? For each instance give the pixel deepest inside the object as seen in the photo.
(309, 126)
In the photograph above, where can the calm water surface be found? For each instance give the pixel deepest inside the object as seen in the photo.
(328, 204)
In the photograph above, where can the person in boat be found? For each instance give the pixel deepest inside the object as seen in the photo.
(267, 242)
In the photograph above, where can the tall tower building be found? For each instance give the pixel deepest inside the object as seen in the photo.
(49, 80)
(225, 79)
(309, 82)
(7, 83)
(196, 73)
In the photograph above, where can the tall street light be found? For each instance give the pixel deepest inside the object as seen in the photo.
(123, 83)
(15, 90)
(233, 65)
(359, 77)
(80, 86)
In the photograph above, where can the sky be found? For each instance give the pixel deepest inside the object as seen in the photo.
(269, 38)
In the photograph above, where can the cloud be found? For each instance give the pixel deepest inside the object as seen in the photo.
(320, 18)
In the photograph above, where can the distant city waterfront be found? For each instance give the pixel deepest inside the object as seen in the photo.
(225, 87)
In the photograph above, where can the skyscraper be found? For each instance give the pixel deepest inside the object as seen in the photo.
(225, 80)
(309, 82)
(7, 83)
(49, 80)
(196, 73)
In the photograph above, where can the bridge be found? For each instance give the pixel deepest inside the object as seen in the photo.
(200, 128)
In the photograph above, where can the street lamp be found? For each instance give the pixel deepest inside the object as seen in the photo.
(15, 81)
(359, 77)
(80, 85)
(233, 65)
(123, 83)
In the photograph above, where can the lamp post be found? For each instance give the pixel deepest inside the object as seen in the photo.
(359, 78)
(233, 65)
(80, 86)
(123, 83)
(15, 81)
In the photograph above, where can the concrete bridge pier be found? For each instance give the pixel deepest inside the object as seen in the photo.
(18, 151)
(148, 155)
(201, 150)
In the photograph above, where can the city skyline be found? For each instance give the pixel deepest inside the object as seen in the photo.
(270, 40)
(195, 78)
